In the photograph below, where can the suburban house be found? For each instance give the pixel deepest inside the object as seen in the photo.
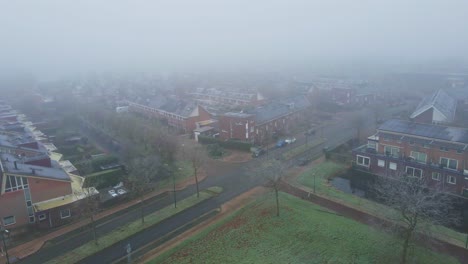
(178, 113)
(437, 108)
(37, 188)
(262, 122)
(437, 153)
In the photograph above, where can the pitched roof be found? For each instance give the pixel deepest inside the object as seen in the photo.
(283, 107)
(440, 101)
(437, 132)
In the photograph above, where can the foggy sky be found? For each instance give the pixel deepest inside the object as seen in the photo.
(52, 38)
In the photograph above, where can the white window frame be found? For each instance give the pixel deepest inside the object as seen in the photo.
(448, 163)
(414, 170)
(451, 177)
(42, 217)
(438, 174)
(12, 223)
(363, 160)
(391, 150)
(416, 155)
(381, 163)
(61, 213)
(392, 166)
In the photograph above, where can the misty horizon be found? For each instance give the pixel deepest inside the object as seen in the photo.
(54, 38)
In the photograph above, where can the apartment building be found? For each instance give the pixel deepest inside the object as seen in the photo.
(260, 123)
(437, 153)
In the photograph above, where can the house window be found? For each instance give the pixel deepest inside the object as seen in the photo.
(372, 144)
(419, 156)
(392, 166)
(392, 151)
(364, 161)
(451, 179)
(381, 163)
(444, 149)
(459, 151)
(449, 163)
(65, 213)
(9, 220)
(42, 217)
(410, 171)
(436, 176)
(427, 146)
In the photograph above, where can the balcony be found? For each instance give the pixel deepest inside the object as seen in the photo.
(404, 161)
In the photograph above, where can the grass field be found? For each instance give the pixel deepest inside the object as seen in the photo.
(134, 227)
(304, 233)
(327, 170)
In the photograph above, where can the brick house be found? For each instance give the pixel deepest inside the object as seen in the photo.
(264, 121)
(215, 96)
(439, 154)
(179, 114)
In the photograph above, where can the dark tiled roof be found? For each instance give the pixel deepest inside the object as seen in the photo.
(277, 109)
(436, 132)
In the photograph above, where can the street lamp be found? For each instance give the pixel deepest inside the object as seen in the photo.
(5, 233)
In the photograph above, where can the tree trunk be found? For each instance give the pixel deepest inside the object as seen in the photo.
(405, 247)
(93, 226)
(277, 201)
(196, 183)
(142, 212)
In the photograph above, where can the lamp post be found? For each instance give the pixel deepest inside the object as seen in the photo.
(4, 232)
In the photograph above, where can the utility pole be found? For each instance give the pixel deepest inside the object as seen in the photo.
(3, 233)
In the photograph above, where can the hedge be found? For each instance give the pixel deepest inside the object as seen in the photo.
(96, 163)
(104, 179)
(229, 144)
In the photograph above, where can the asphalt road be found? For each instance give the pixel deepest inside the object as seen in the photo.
(235, 180)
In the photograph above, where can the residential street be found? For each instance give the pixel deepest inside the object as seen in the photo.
(234, 178)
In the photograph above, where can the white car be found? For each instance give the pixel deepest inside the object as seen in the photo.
(290, 140)
(112, 193)
(121, 191)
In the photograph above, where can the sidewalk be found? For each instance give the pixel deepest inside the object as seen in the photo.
(31, 247)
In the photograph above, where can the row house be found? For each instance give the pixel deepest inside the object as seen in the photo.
(37, 189)
(439, 154)
(260, 124)
(215, 96)
(179, 114)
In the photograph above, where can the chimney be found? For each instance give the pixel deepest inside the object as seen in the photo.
(16, 166)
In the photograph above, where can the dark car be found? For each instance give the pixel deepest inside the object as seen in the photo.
(281, 143)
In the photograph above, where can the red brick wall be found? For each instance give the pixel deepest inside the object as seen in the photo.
(32, 145)
(229, 129)
(42, 189)
(425, 117)
(202, 116)
(45, 162)
(13, 203)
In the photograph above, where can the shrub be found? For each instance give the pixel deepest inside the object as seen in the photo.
(104, 179)
(96, 163)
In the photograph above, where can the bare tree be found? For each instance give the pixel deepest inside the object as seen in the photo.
(197, 157)
(90, 206)
(273, 171)
(416, 207)
(142, 173)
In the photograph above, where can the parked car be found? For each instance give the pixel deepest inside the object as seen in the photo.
(290, 140)
(281, 143)
(257, 152)
(112, 193)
